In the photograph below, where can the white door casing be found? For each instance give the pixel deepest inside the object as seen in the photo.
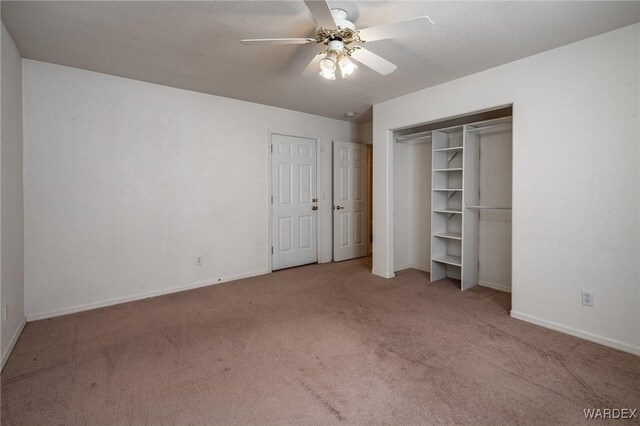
(294, 201)
(350, 220)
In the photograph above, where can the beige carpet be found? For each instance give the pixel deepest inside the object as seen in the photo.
(321, 344)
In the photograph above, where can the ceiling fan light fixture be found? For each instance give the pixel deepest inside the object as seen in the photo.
(328, 74)
(328, 63)
(347, 67)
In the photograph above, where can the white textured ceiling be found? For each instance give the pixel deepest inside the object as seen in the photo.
(195, 45)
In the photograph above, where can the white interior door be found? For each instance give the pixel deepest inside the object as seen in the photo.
(350, 227)
(294, 201)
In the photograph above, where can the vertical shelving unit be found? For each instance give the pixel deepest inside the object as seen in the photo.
(447, 202)
(455, 200)
(471, 166)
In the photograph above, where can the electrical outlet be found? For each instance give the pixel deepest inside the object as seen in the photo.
(5, 311)
(199, 260)
(587, 298)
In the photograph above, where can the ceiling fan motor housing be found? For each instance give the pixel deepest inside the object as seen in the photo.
(335, 46)
(340, 18)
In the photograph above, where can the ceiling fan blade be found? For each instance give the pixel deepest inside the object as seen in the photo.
(278, 41)
(373, 61)
(396, 29)
(313, 67)
(321, 13)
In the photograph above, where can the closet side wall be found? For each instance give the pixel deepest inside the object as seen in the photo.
(420, 219)
(412, 205)
(402, 205)
(11, 197)
(494, 226)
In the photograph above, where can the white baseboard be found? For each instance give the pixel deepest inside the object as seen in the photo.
(635, 350)
(421, 268)
(412, 266)
(12, 342)
(495, 286)
(401, 268)
(139, 296)
(382, 274)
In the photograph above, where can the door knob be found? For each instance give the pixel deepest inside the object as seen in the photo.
(339, 207)
(314, 207)
(314, 200)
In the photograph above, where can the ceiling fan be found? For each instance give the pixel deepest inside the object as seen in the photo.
(344, 42)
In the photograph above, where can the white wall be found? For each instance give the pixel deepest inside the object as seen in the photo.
(402, 206)
(412, 205)
(576, 194)
(494, 226)
(420, 218)
(11, 229)
(127, 182)
(365, 133)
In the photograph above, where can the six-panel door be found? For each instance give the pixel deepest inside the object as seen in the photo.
(294, 207)
(350, 228)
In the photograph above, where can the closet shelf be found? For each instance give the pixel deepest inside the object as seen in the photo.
(457, 169)
(412, 136)
(446, 211)
(448, 189)
(490, 128)
(453, 148)
(489, 207)
(449, 235)
(449, 260)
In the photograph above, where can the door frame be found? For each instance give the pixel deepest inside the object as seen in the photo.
(319, 150)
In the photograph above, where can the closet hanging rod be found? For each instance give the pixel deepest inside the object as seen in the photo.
(491, 127)
(489, 207)
(411, 136)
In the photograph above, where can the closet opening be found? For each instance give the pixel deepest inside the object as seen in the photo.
(452, 199)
